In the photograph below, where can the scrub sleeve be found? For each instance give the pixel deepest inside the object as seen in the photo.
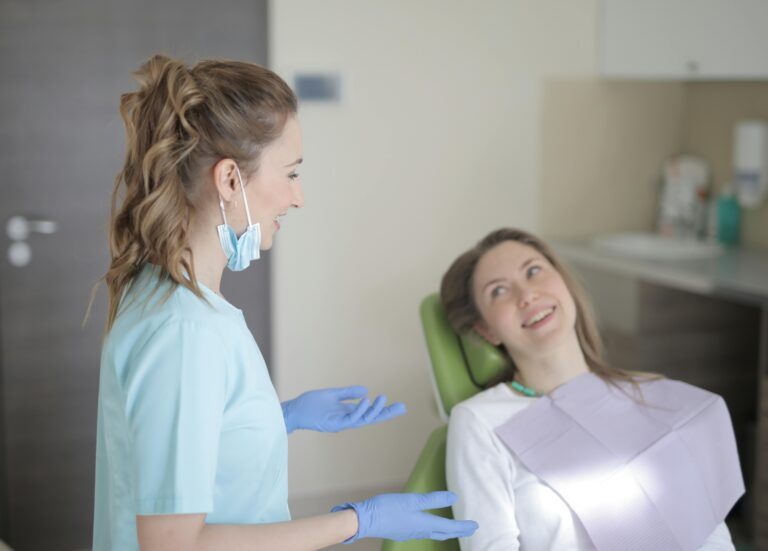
(174, 405)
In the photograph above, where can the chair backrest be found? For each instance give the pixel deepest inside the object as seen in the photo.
(428, 476)
(460, 368)
(461, 364)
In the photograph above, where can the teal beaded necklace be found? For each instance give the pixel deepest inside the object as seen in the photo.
(525, 390)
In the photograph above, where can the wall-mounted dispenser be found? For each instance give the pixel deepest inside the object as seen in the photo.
(750, 162)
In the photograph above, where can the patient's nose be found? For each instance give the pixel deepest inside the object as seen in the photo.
(527, 296)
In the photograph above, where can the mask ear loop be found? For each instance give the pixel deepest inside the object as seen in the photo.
(221, 206)
(245, 199)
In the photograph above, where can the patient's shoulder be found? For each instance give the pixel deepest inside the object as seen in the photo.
(492, 407)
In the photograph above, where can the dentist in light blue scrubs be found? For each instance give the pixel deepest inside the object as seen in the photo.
(192, 439)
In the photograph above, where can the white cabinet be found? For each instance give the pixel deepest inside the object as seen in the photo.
(684, 39)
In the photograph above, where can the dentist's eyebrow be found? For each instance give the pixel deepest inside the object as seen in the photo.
(294, 163)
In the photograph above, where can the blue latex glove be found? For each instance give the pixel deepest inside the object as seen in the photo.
(337, 409)
(401, 517)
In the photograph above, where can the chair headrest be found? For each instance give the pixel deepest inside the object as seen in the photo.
(484, 361)
(461, 365)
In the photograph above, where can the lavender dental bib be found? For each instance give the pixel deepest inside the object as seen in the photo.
(660, 472)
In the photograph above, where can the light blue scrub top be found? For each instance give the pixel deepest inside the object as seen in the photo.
(188, 419)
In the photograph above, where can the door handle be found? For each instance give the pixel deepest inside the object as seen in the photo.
(18, 228)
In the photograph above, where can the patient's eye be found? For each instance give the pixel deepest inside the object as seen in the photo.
(532, 271)
(497, 291)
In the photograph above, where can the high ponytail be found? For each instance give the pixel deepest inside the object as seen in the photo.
(178, 123)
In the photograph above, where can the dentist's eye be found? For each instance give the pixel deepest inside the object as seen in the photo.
(292, 176)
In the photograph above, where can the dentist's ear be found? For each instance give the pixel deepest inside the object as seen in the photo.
(225, 179)
(487, 333)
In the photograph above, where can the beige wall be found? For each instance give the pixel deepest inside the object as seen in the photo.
(712, 110)
(603, 144)
(435, 143)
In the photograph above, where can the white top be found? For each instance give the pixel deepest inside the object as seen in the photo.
(514, 508)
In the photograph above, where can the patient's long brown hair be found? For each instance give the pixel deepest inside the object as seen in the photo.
(179, 123)
(459, 303)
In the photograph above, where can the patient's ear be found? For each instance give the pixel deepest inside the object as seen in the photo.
(487, 333)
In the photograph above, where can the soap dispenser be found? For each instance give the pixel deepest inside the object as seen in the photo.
(750, 162)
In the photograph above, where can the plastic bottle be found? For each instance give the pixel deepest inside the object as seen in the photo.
(728, 218)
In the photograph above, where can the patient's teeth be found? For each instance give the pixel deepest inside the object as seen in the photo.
(540, 316)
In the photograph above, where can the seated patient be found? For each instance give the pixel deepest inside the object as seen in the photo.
(567, 452)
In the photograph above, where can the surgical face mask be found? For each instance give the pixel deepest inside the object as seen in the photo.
(239, 251)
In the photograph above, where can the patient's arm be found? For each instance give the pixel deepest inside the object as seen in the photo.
(719, 540)
(478, 472)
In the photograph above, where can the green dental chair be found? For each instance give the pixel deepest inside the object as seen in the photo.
(460, 367)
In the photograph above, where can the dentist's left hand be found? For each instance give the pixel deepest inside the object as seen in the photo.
(337, 409)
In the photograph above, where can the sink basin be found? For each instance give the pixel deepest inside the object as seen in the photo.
(655, 247)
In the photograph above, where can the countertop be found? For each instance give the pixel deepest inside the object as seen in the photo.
(736, 273)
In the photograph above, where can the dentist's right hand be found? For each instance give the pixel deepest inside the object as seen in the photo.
(401, 517)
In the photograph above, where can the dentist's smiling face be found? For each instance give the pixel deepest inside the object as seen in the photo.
(523, 300)
(275, 188)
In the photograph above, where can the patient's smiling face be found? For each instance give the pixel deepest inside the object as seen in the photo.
(524, 302)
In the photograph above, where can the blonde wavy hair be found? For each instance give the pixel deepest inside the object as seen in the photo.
(179, 123)
(463, 315)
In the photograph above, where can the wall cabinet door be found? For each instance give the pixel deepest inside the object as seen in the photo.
(761, 470)
(684, 39)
